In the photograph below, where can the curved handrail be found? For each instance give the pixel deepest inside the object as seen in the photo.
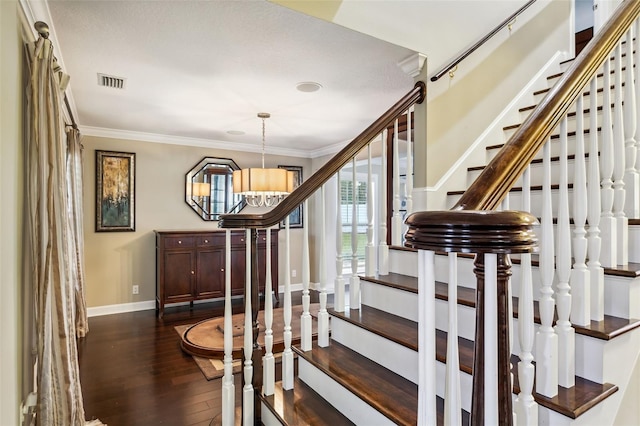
(451, 65)
(304, 191)
(497, 179)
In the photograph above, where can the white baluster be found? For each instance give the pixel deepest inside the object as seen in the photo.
(490, 339)
(566, 334)
(370, 250)
(636, 50)
(268, 361)
(323, 315)
(354, 284)
(452, 401)
(580, 278)
(426, 337)
(396, 225)
(525, 405)
(383, 248)
(619, 166)
(305, 320)
(339, 281)
(228, 387)
(409, 178)
(247, 390)
(546, 339)
(631, 177)
(596, 271)
(608, 256)
(287, 354)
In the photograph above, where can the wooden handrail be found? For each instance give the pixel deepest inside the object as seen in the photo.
(451, 65)
(309, 187)
(497, 179)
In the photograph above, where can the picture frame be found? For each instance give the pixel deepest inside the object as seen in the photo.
(295, 218)
(115, 191)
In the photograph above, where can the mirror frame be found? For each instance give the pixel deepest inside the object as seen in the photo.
(234, 203)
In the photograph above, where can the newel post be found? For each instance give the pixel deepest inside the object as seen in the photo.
(492, 236)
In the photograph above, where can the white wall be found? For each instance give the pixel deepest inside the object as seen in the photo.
(11, 183)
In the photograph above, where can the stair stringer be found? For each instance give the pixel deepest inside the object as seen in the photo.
(435, 197)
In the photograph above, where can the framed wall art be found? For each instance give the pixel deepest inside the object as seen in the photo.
(115, 191)
(295, 218)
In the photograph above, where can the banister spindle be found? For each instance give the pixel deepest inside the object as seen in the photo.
(596, 271)
(247, 390)
(580, 278)
(268, 361)
(426, 337)
(228, 386)
(631, 177)
(608, 256)
(525, 405)
(566, 334)
(396, 224)
(306, 320)
(546, 338)
(409, 172)
(383, 248)
(370, 249)
(339, 283)
(354, 284)
(619, 165)
(452, 399)
(636, 60)
(287, 353)
(323, 315)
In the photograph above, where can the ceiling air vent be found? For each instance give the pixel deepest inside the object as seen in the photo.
(110, 81)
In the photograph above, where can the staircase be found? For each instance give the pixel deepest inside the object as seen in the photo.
(369, 370)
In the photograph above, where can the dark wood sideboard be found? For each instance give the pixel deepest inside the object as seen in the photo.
(190, 265)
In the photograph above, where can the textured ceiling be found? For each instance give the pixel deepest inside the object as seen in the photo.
(198, 69)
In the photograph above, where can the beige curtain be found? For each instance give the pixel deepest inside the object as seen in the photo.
(53, 269)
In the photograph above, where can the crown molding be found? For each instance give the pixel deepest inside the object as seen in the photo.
(187, 141)
(413, 64)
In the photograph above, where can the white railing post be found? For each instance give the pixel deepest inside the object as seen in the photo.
(354, 284)
(596, 271)
(608, 255)
(546, 339)
(396, 224)
(631, 178)
(452, 399)
(566, 334)
(525, 405)
(247, 390)
(619, 165)
(490, 338)
(426, 337)
(339, 283)
(228, 386)
(409, 178)
(383, 248)
(621, 220)
(305, 320)
(268, 361)
(370, 250)
(580, 278)
(287, 353)
(636, 50)
(323, 315)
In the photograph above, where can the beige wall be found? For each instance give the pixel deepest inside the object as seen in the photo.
(11, 183)
(115, 261)
(462, 112)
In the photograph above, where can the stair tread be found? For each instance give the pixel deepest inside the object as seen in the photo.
(534, 161)
(606, 329)
(394, 280)
(389, 393)
(302, 406)
(518, 189)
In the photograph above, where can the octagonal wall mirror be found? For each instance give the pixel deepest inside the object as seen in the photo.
(209, 188)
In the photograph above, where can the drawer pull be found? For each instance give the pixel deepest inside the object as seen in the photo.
(242, 240)
(192, 273)
(179, 241)
(206, 241)
(222, 270)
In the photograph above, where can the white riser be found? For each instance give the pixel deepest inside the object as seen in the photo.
(347, 403)
(555, 146)
(397, 302)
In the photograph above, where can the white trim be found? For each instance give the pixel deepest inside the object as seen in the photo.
(413, 64)
(526, 90)
(330, 149)
(120, 308)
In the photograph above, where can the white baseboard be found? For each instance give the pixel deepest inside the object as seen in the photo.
(120, 308)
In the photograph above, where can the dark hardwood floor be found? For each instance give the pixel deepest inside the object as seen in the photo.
(133, 371)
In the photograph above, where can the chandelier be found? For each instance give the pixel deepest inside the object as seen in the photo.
(259, 186)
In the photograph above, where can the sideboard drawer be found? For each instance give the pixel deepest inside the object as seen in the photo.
(179, 242)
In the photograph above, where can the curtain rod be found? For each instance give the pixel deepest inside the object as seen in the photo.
(43, 30)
